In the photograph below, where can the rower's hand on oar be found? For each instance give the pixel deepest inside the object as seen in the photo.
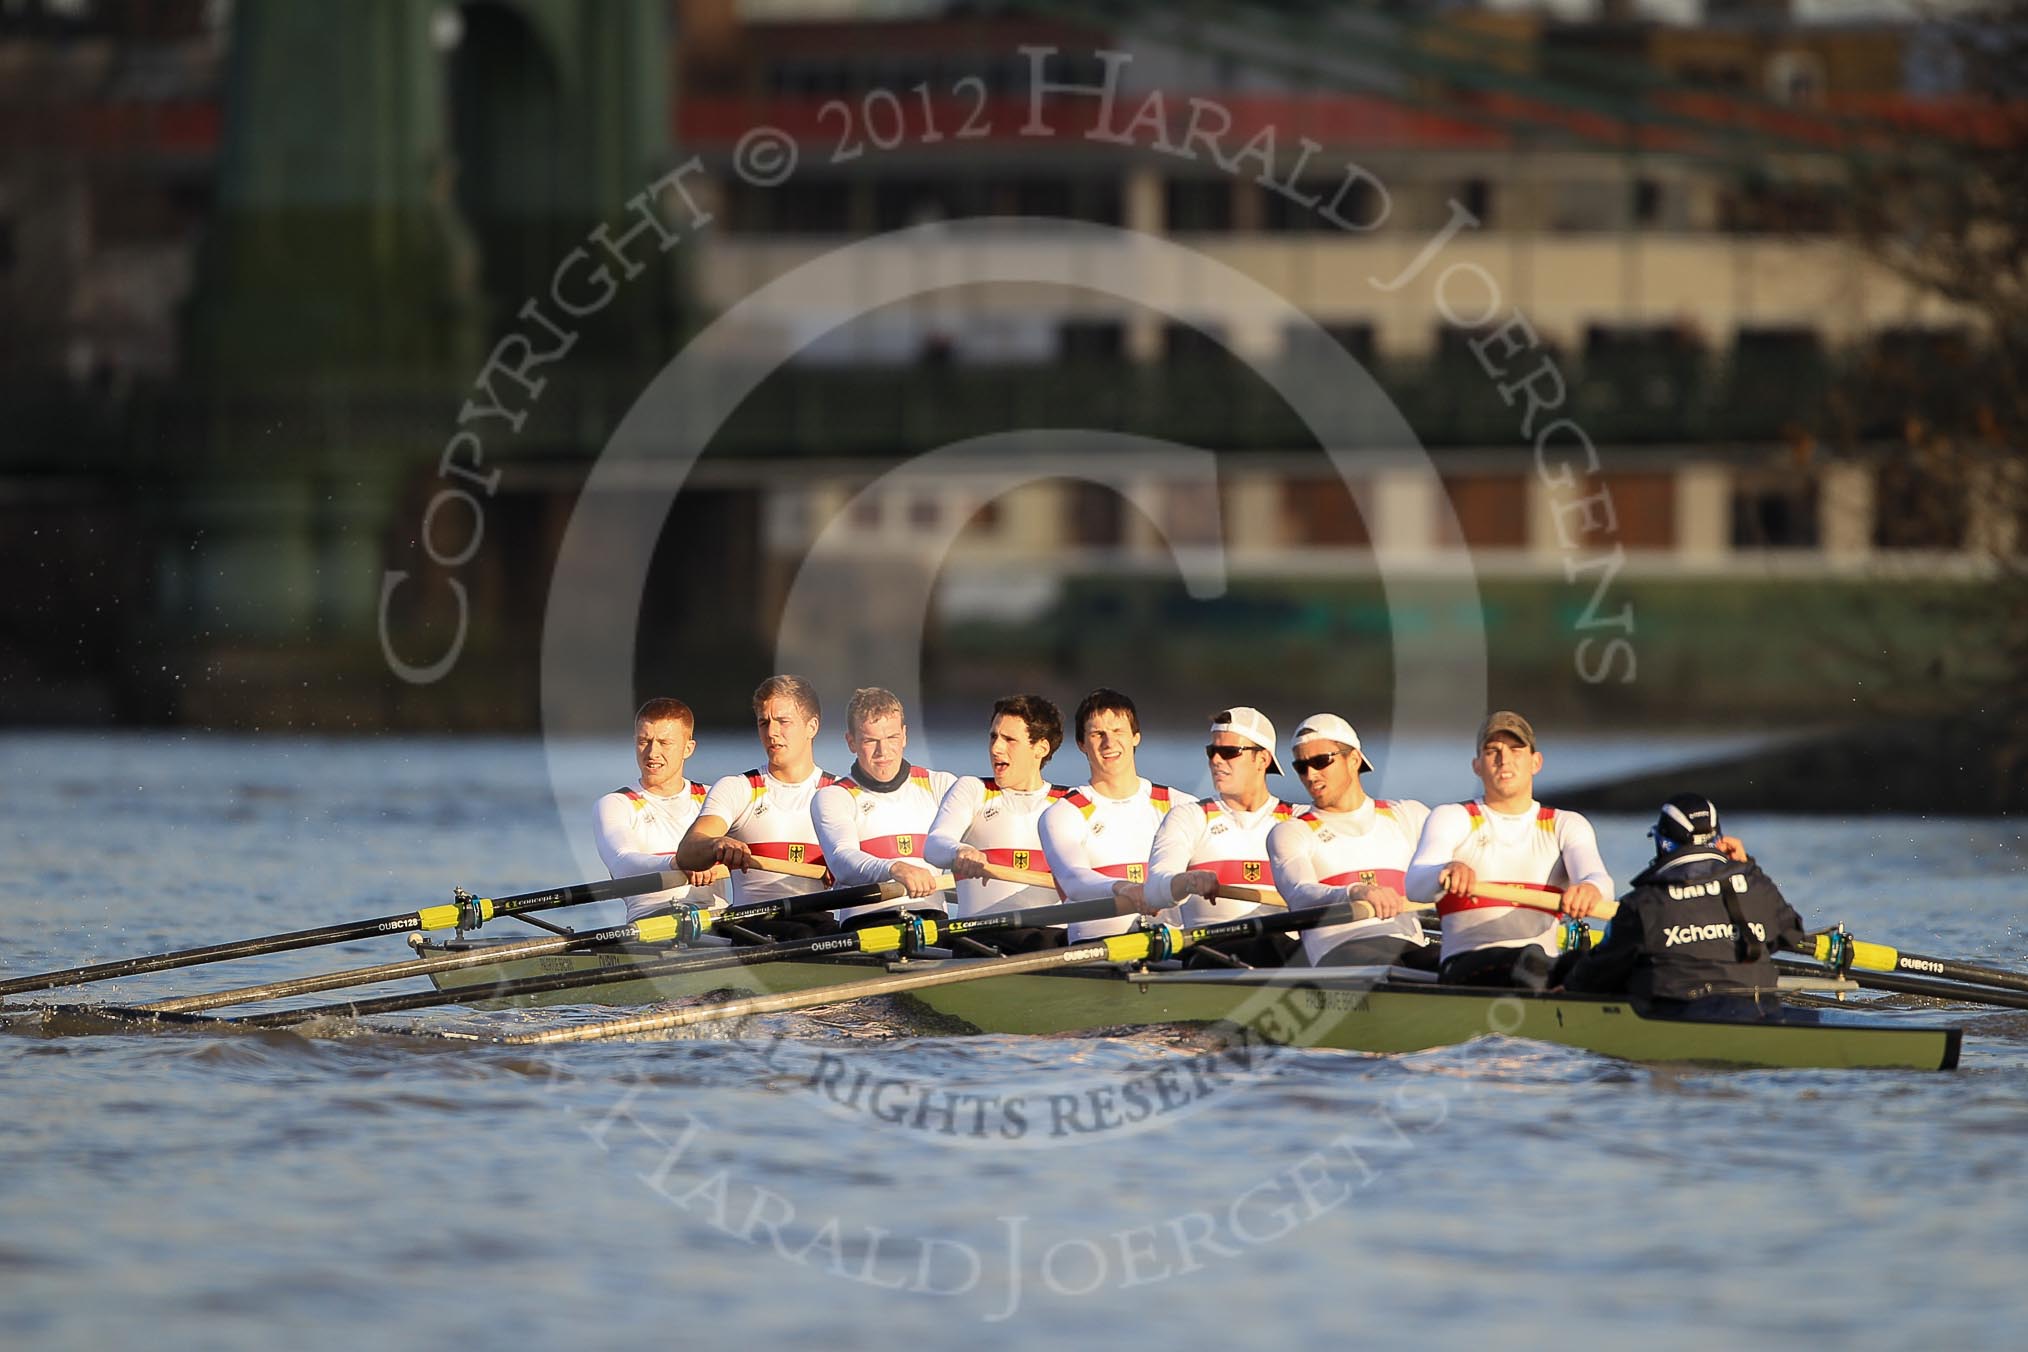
(969, 863)
(919, 881)
(1197, 882)
(1132, 899)
(1385, 901)
(1457, 878)
(1732, 847)
(732, 853)
(1581, 901)
(705, 877)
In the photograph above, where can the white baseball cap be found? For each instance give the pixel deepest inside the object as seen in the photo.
(1329, 728)
(1253, 725)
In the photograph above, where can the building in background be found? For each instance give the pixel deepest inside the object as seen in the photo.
(1668, 206)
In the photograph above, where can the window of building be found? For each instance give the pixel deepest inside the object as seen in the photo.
(1091, 340)
(1097, 515)
(1491, 510)
(1796, 78)
(1198, 205)
(1647, 203)
(1586, 204)
(1057, 198)
(1476, 195)
(1291, 212)
(1919, 508)
(1321, 512)
(1184, 344)
(7, 245)
(1777, 376)
(1040, 197)
(1644, 511)
(1760, 207)
(1652, 367)
(803, 205)
(1348, 335)
(1775, 512)
(899, 203)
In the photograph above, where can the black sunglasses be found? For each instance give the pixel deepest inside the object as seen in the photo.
(1304, 764)
(1227, 752)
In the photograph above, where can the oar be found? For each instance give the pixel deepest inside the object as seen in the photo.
(1841, 950)
(653, 929)
(872, 939)
(1136, 946)
(1267, 896)
(428, 918)
(1934, 987)
(1603, 909)
(1032, 877)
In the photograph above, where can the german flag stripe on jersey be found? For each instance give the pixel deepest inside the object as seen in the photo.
(904, 845)
(1545, 816)
(1315, 819)
(993, 789)
(916, 776)
(758, 780)
(1215, 809)
(640, 800)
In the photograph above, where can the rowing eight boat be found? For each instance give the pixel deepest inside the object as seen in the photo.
(1354, 1009)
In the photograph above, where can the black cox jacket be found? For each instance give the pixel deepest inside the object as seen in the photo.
(1693, 924)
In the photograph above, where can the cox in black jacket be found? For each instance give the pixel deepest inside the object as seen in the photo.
(1693, 924)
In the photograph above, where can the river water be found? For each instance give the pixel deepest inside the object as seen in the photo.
(182, 1188)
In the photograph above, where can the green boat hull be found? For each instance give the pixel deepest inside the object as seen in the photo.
(1347, 1010)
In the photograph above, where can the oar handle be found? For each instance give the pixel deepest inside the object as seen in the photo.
(789, 868)
(1515, 895)
(1029, 877)
(891, 890)
(1256, 896)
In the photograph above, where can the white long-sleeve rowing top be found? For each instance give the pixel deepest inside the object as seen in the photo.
(1093, 841)
(1317, 857)
(638, 832)
(863, 830)
(1213, 835)
(1539, 846)
(1002, 825)
(772, 817)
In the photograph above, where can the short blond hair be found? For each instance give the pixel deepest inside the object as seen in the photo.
(868, 703)
(792, 688)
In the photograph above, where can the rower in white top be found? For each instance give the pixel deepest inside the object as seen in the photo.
(1223, 840)
(874, 824)
(1349, 847)
(766, 812)
(1505, 836)
(993, 821)
(639, 827)
(1097, 837)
